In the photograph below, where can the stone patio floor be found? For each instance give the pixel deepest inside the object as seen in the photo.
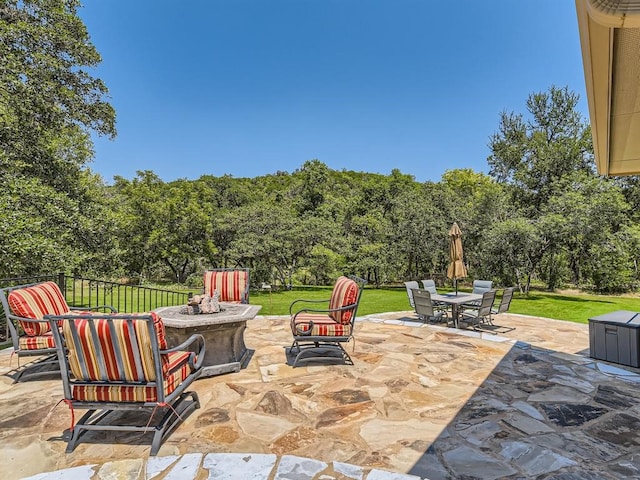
(420, 402)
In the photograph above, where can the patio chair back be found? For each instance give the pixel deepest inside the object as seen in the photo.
(231, 284)
(430, 286)
(482, 286)
(410, 286)
(425, 307)
(344, 300)
(484, 309)
(505, 302)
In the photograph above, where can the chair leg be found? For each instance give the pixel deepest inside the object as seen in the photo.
(83, 426)
(166, 426)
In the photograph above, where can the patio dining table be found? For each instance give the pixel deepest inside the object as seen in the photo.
(455, 300)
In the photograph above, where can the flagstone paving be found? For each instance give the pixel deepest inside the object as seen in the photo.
(420, 402)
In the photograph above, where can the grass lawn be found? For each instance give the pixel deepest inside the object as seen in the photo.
(572, 307)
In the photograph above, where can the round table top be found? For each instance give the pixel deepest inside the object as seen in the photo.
(230, 312)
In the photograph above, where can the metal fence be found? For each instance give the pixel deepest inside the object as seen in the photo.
(89, 292)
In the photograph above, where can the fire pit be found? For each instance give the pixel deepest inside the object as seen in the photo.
(223, 332)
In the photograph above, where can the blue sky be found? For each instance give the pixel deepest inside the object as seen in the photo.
(251, 87)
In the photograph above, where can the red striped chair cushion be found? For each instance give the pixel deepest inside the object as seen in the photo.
(323, 325)
(37, 342)
(175, 362)
(345, 292)
(113, 346)
(36, 302)
(231, 285)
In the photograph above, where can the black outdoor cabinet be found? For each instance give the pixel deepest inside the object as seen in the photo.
(615, 336)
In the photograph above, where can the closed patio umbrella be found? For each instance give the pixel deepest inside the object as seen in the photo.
(456, 268)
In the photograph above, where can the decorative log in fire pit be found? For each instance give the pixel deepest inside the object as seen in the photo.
(202, 304)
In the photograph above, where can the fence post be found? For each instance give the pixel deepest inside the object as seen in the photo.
(62, 282)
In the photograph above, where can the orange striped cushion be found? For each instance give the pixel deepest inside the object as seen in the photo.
(345, 292)
(112, 346)
(230, 284)
(137, 393)
(323, 325)
(37, 342)
(36, 302)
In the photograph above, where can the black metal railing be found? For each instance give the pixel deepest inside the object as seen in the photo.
(90, 292)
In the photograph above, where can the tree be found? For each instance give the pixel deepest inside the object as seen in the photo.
(475, 201)
(166, 224)
(418, 236)
(313, 178)
(532, 154)
(49, 105)
(511, 251)
(588, 212)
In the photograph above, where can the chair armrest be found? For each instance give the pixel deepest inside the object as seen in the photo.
(25, 319)
(311, 310)
(97, 307)
(326, 310)
(188, 345)
(305, 301)
(470, 306)
(297, 329)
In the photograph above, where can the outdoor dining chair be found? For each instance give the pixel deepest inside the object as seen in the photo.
(430, 286)
(479, 287)
(425, 308)
(410, 286)
(505, 301)
(320, 327)
(475, 316)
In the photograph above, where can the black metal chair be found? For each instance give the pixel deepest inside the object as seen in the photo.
(318, 333)
(25, 307)
(116, 362)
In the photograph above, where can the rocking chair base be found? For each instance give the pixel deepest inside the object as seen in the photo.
(175, 413)
(320, 349)
(43, 367)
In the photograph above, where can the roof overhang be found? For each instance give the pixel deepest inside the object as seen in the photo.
(610, 41)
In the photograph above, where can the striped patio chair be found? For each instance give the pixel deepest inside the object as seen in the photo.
(115, 362)
(231, 284)
(318, 333)
(25, 307)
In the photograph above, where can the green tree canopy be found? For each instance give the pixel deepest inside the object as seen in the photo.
(532, 154)
(49, 105)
